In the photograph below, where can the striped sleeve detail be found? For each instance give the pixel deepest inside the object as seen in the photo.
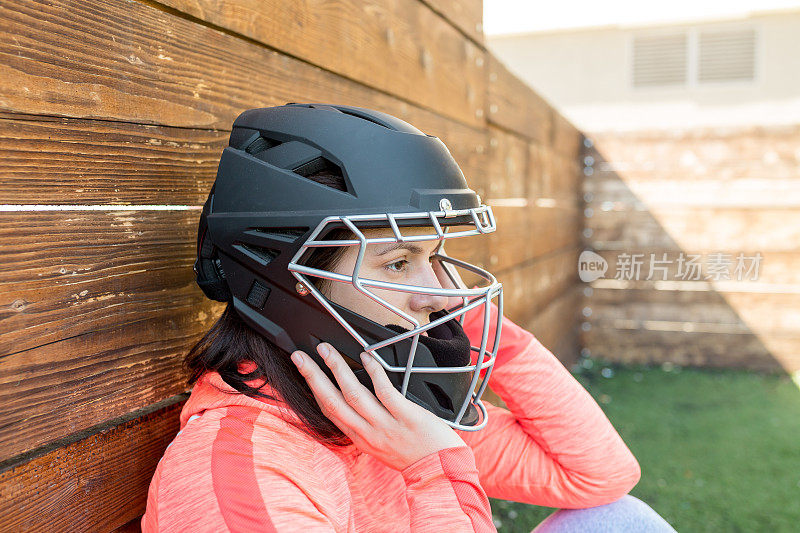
(440, 485)
(233, 473)
(259, 493)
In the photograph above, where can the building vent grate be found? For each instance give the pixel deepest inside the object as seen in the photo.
(726, 56)
(660, 60)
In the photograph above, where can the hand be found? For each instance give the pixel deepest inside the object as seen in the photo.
(386, 425)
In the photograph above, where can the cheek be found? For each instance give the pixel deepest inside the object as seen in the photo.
(347, 295)
(400, 300)
(344, 294)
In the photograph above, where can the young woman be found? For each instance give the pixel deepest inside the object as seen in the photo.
(325, 232)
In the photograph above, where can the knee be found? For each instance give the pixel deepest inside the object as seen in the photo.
(628, 514)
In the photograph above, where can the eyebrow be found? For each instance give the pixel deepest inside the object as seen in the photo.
(413, 248)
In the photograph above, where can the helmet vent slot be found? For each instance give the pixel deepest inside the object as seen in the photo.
(318, 165)
(364, 116)
(260, 144)
(324, 172)
(259, 253)
(280, 234)
(441, 397)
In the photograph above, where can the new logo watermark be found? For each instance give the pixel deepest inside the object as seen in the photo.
(682, 266)
(591, 266)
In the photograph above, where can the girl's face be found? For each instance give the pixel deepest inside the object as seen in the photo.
(406, 263)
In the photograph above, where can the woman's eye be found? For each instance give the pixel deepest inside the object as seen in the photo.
(401, 262)
(393, 266)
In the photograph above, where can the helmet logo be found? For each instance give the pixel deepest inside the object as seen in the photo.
(445, 205)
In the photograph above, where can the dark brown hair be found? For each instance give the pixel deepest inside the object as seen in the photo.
(230, 341)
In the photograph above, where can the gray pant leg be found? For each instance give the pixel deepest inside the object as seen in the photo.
(628, 514)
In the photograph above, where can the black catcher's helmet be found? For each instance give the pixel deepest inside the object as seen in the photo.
(264, 217)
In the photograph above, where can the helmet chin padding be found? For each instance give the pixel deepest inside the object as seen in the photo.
(449, 346)
(447, 342)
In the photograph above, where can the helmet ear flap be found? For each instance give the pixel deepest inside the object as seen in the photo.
(207, 267)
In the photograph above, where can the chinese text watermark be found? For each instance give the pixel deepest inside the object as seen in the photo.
(676, 266)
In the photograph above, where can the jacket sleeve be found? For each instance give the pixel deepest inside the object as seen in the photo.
(554, 446)
(444, 493)
(442, 490)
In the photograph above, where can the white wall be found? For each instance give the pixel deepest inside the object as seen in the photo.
(586, 74)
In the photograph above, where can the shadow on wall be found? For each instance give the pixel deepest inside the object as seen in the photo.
(700, 233)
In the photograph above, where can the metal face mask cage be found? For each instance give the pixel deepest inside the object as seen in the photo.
(484, 222)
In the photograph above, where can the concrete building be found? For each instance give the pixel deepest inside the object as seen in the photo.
(737, 71)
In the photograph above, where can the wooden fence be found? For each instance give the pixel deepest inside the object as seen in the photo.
(726, 199)
(113, 116)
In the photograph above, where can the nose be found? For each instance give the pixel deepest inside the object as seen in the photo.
(424, 304)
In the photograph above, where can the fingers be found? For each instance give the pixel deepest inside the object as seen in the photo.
(392, 399)
(329, 398)
(354, 404)
(355, 394)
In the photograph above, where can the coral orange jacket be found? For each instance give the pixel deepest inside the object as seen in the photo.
(237, 465)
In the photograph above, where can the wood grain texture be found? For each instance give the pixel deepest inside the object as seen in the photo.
(754, 329)
(638, 191)
(532, 286)
(699, 349)
(554, 176)
(567, 139)
(524, 233)
(507, 159)
(767, 152)
(108, 65)
(466, 15)
(777, 272)
(713, 195)
(400, 48)
(516, 107)
(98, 310)
(677, 228)
(556, 325)
(98, 482)
(59, 160)
(695, 310)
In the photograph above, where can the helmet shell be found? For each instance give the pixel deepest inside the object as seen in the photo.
(262, 208)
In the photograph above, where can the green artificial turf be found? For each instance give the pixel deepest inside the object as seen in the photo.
(719, 449)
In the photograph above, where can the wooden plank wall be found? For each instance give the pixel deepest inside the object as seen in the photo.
(699, 193)
(116, 113)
